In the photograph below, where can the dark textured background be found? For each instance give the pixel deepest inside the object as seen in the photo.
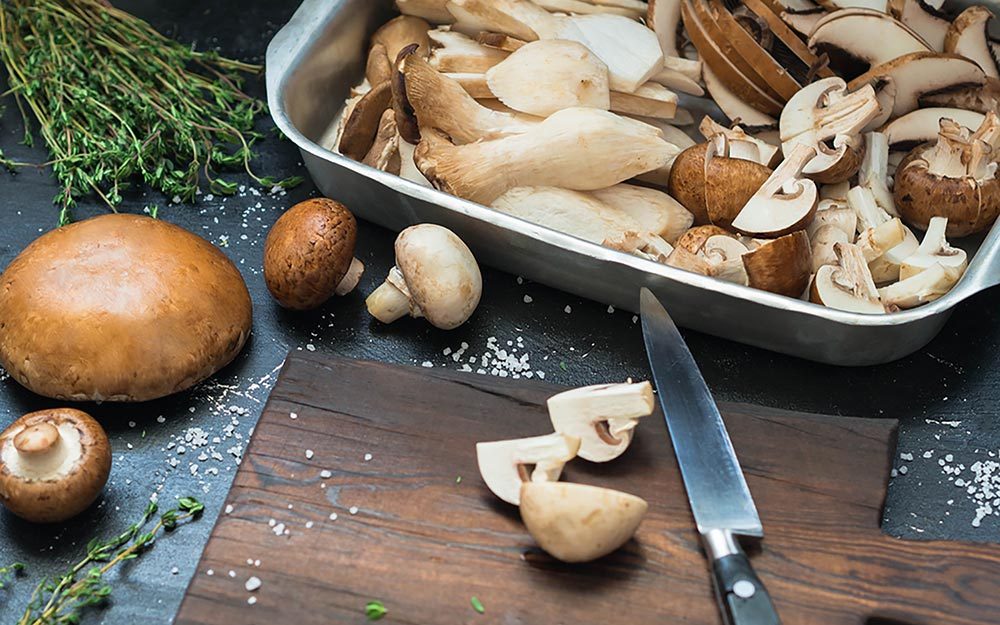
(945, 396)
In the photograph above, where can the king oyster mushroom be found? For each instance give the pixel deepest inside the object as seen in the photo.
(504, 464)
(602, 417)
(53, 464)
(828, 118)
(576, 148)
(434, 11)
(655, 211)
(577, 522)
(848, 284)
(934, 249)
(455, 52)
(786, 202)
(954, 178)
(435, 277)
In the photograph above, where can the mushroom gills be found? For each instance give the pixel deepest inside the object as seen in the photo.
(848, 285)
(603, 417)
(786, 202)
(43, 452)
(503, 464)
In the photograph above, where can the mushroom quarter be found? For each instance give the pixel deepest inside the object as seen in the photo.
(120, 308)
(53, 464)
(309, 254)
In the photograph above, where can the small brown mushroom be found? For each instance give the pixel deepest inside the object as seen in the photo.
(309, 254)
(781, 266)
(53, 464)
(730, 181)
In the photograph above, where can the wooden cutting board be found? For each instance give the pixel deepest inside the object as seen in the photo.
(424, 542)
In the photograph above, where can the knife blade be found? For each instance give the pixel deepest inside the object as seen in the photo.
(717, 490)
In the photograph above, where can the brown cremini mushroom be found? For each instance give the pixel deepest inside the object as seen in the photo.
(53, 464)
(120, 308)
(309, 254)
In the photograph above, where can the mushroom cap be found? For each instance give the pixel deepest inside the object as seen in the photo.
(308, 253)
(441, 274)
(781, 266)
(120, 308)
(63, 485)
(694, 239)
(687, 181)
(730, 183)
(577, 522)
(970, 205)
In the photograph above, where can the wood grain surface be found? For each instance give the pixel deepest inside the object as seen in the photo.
(424, 542)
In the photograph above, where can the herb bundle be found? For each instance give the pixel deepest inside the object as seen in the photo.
(61, 600)
(117, 102)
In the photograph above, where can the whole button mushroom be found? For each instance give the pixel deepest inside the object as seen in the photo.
(309, 254)
(53, 464)
(436, 277)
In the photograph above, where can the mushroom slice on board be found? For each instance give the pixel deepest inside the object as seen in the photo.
(655, 211)
(575, 213)
(922, 18)
(730, 182)
(549, 75)
(914, 75)
(968, 36)
(780, 266)
(504, 464)
(435, 277)
(440, 102)
(603, 416)
(823, 114)
(848, 285)
(577, 522)
(926, 286)
(454, 52)
(53, 464)
(737, 110)
(956, 177)
(786, 202)
(924, 124)
(434, 11)
(576, 148)
(857, 39)
(934, 249)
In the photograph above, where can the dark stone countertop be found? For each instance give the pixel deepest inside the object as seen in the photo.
(946, 396)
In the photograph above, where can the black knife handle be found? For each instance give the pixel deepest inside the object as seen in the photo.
(743, 598)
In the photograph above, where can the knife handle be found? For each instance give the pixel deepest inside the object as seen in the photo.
(742, 596)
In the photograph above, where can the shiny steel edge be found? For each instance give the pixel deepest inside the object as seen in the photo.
(295, 40)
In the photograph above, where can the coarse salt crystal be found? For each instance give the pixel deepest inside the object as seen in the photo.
(253, 583)
(229, 509)
(325, 474)
(333, 516)
(368, 457)
(293, 415)
(309, 454)
(353, 510)
(568, 309)
(528, 299)
(251, 600)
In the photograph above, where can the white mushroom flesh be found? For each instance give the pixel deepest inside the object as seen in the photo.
(53, 463)
(603, 417)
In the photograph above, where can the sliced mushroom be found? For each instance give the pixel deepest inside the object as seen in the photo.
(934, 249)
(681, 258)
(823, 241)
(981, 98)
(440, 102)
(361, 127)
(571, 212)
(780, 266)
(695, 238)
(406, 118)
(954, 178)
(804, 21)
(407, 168)
(874, 171)
(832, 213)
(922, 18)
(518, 18)
(901, 83)
(629, 49)
(968, 36)
(504, 464)
(848, 285)
(575, 148)
(741, 144)
(878, 240)
(603, 417)
(401, 32)
(736, 109)
(654, 211)
(582, 7)
(649, 100)
(825, 114)
(664, 17)
(926, 286)
(506, 43)
(858, 39)
(579, 523)
(786, 202)
(434, 11)
(378, 68)
(678, 81)
(730, 182)
(435, 277)
(924, 124)
(546, 76)
(384, 153)
(871, 216)
(454, 52)
(724, 255)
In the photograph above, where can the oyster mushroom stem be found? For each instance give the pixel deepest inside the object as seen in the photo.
(825, 114)
(434, 11)
(575, 148)
(785, 202)
(603, 417)
(435, 277)
(848, 285)
(455, 52)
(934, 249)
(504, 464)
(577, 522)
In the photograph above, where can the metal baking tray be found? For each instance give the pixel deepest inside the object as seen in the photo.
(320, 54)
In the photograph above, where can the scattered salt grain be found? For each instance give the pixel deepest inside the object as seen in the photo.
(309, 454)
(528, 299)
(232, 573)
(229, 509)
(333, 516)
(353, 510)
(309, 525)
(293, 415)
(568, 309)
(251, 600)
(174, 571)
(368, 457)
(210, 572)
(252, 584)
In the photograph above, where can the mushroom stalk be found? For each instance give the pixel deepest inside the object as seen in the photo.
(391, 300)
(351, 278)
(602, 417)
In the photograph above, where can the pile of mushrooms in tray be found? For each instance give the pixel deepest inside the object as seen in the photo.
(861, 139)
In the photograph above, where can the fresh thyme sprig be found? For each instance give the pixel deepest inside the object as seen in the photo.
(9, 572)
(61, 600)
(117, 102)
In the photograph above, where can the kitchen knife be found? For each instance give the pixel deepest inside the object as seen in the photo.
(720, 499)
